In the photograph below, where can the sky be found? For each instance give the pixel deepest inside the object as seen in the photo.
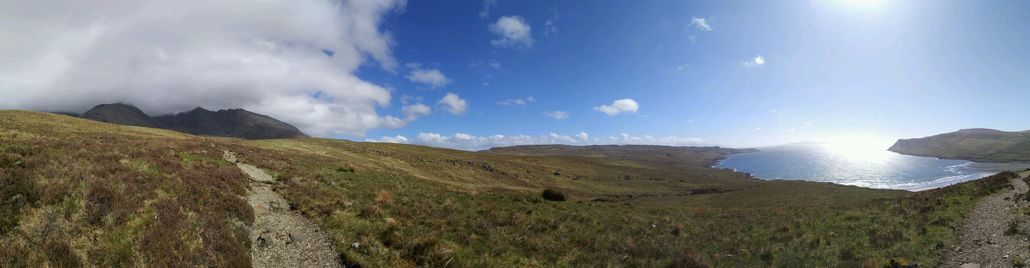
(477, 74)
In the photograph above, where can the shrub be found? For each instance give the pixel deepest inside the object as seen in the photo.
(384, 197)
(99, 201)
(687, 259)
(553, 195)
(345, 169)
(1013, 228)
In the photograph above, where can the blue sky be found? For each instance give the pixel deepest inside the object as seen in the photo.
(884, 69)
(475, 74)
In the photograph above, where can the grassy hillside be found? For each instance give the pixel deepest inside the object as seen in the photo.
(982, 145)
(77, 192)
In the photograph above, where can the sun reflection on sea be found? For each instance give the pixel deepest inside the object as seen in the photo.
(861, 149)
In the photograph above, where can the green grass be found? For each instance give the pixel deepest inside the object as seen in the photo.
(81, 193)
(432, 219)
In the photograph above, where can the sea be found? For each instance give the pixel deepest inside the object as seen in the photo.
(866, 167)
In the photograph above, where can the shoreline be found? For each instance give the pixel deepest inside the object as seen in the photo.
(970, 171)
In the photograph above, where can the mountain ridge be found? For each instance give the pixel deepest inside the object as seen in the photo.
(973, 144)
(238, 123)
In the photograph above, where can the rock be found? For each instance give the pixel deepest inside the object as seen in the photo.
(262, 241)
(970, 265)
(357, 245)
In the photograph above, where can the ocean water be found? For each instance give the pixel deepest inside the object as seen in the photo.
(867, 167)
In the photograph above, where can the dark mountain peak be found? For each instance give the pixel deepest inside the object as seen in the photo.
(229, 123)
(238, 123)
(196, 110)
(120, 113)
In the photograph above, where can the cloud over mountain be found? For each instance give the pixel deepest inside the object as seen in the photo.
(293, 60)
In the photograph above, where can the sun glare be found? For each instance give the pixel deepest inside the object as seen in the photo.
(864, 3)
(860, 149)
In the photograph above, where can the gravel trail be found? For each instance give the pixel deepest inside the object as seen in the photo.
(280, 237)
(982, 240)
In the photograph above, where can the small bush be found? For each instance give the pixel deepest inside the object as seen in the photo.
(345, 169)
(1013, 228)
(99, 202)
(384, 197)
(687, 259)
(370, 212)
(553, 195)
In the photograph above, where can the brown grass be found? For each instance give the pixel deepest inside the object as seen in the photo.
(85, 193)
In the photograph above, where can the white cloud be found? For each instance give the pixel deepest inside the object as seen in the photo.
(431, 138)
(557, 115)
(453, 103)
(758, 61)
(512, 31)
(388, 139)
(700, 23)
(432, 77)
(415, 110)
(517, 101)
(549, 25)
(292, 60)
(618, 107)
(652, 140)
(487, 4)
(465, 141)
(406, 99)
(583, 136)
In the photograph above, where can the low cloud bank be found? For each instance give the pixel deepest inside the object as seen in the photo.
(293, 60)
(463, 141)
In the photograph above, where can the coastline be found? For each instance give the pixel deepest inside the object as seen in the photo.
(869, 176)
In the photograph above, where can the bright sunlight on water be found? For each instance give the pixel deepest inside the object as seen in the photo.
(861, 162)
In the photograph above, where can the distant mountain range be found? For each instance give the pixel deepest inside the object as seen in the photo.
(237, 123)
(978, 144)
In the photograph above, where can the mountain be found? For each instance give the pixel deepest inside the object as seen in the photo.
(229, 123)
(122, 114)
(978, 144)
(237, 123)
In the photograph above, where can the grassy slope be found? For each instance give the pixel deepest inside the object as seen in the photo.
(983, 145)
(76, 192)
(102, 193)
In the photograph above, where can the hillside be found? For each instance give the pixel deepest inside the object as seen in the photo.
(78, 192)
(981, 145)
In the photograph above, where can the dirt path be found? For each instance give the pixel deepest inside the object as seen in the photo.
(280, 237)
(983, 242)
